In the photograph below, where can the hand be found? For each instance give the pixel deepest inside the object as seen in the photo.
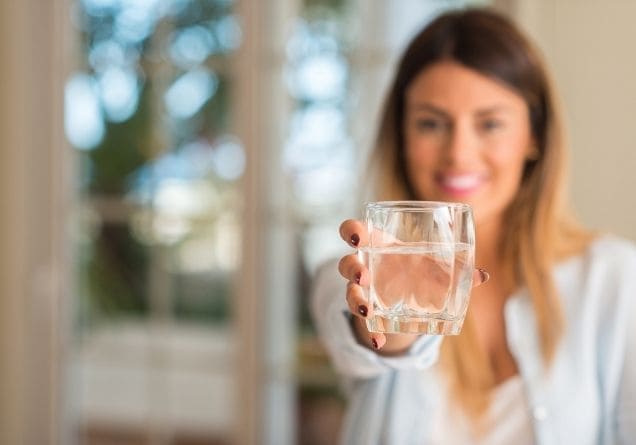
(355, 233)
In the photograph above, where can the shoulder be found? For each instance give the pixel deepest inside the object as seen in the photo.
(611, 257)
(605, 253)
(601, 277)
(612, 248)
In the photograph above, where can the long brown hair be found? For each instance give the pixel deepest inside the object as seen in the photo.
(537, 231)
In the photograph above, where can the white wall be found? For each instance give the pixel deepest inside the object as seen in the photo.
(591, 47)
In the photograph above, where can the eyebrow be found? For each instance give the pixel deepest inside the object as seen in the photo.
(425, 106)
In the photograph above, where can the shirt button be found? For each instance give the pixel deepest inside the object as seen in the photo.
(540, 412)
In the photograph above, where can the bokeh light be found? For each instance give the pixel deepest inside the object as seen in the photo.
(83, 121)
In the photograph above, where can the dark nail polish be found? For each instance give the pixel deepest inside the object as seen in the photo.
(485, 276)
(362, 310)
(357, 277)
(374, 343)
(355, 239)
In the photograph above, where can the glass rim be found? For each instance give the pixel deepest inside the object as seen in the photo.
(415, 206)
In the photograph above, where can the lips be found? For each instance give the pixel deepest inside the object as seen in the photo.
(460, 184)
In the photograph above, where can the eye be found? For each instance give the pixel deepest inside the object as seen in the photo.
(491, 124)
(429, 124)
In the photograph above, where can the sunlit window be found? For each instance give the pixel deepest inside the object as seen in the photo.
(148, 111)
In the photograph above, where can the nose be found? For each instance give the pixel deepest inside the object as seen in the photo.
(461, 145)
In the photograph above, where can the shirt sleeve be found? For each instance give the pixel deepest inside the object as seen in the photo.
(626, 395)
(626, 407)
(332, 320)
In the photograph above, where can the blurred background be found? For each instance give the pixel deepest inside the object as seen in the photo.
(172, 173)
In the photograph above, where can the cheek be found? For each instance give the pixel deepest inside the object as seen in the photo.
(420, 150)
(511, 151)
(420, 160)
(508, 163)
(420, 165)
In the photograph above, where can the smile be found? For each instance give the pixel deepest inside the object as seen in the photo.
(460, 184)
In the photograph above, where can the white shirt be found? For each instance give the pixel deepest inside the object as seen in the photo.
(587, 396)
(508, 418)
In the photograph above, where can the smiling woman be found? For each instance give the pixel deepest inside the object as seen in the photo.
(471, 117)
(119, 253)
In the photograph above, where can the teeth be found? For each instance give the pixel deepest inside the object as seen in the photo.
(462, 181)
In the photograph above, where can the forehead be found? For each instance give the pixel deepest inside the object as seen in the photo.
(455, 87)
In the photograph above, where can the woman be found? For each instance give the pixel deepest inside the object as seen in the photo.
(546, 354)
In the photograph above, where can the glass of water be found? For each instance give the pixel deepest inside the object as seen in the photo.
(420, 259)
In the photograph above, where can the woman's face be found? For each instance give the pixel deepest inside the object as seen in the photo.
(467, 139)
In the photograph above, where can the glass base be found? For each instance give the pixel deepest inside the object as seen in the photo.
(409, 325)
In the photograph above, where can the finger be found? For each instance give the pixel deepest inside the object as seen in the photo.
(354, 232)
(353, 270)
(377, 339)
(357, 302)
(480, 276)
(373, 340)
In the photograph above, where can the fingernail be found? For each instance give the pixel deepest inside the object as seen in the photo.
(374, 342)
(362, 310)
(357, 277)
(355, 239)
(485, 276)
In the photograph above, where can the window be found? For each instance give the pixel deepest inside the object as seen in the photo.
(149, 113)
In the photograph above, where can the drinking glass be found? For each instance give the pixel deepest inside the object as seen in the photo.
(420, 259)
